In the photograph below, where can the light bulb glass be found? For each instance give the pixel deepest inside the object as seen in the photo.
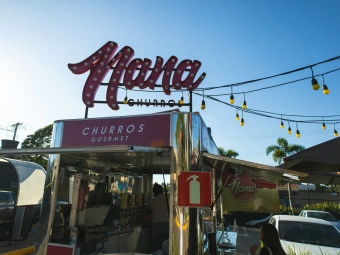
(325, 89)
(323, 126)
(203, 105)
(336, 133)
(289, 131)
(231, 101)
(237, 116)
(315, 84)
(181, 101)
(125, 100)
(282, 125)
(298, 133)
(242, 122)
(244, 106)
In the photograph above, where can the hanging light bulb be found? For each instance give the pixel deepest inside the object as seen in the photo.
(315, 83)
(282, 125)
(242, 120)
(203, 102)
(182, 99)
(237, 116)
(324, 87)
(335, 132)
(231, 101)
(323, 125)
(289, 131)
(244, 106)
(126, 98)
(297, 131)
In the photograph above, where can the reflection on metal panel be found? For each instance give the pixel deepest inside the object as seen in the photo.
(48, 204)
(208, 144)
(186, 141)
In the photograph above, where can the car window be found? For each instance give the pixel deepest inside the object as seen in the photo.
(273, 222)
(322, 215)
(3, 199)
(311, 233)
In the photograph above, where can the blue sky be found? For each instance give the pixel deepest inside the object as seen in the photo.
(235, 41)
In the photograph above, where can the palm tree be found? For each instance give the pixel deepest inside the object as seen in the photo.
(283, 149)
(228, 153)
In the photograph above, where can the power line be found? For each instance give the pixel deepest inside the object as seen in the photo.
(273, 76)
(273, 86)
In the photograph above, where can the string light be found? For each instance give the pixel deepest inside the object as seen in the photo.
(203, 102)
(323, 125)
(324, 87)
(182, 98)
(335, 132)
(242, 120)
(289, 129)
(315, 83)
(237, 116)
(231, 101)
(244, 106)
(282, 125)
(126, 98)
(297, 131)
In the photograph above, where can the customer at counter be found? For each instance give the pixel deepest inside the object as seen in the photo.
(160, 217)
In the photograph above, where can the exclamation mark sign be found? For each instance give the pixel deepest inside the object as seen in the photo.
(194, 190)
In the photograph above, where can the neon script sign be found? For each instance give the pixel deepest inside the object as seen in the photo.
(100, 63)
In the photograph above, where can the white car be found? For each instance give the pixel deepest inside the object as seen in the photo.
(302, 235)
(321, 215)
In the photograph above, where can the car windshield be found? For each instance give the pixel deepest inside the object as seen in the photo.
(309, 233)
(322, 216)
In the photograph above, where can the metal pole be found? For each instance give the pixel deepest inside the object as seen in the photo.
(290, 199)
(86, 112)
(213, 187)
(190, 100)
(16, 129)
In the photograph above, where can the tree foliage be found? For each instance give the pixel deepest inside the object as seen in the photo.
(283, 149)
(227, 153)
(40, 139)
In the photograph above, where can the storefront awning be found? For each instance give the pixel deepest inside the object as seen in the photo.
(269, 173)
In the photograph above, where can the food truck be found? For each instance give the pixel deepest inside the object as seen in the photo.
(99, 174)
(99, 179)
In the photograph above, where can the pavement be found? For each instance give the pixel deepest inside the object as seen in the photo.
(19, 247)
(246, 236)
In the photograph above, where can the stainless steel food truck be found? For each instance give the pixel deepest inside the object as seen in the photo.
(99, 174)
(99, 179)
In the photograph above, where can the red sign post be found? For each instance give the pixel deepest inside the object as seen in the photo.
(194, 189)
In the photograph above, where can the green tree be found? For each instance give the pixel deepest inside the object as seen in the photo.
(283, 149)
(40, 139)
(227, 153)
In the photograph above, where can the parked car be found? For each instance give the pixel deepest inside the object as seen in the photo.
(7, 202)
(321, 215)
(304, 235)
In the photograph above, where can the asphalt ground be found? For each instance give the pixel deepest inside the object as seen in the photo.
(246, 236)
(17, 245)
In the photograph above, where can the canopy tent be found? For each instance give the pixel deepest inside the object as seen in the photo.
(269, 173)
(321, 162)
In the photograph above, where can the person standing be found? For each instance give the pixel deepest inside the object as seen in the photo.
(269, 242)
(160, 217)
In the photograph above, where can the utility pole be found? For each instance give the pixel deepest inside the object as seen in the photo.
(16, 125)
